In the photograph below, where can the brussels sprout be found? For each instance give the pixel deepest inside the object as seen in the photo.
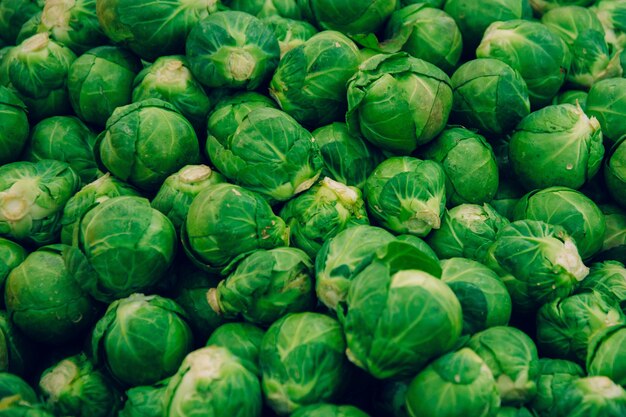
(614, 243)
(457, 383)
(32, 27)
(302, 361)
(266, 285)
(607, 102)
(11, 255)
(141, 339)
(321, 213)
(67, 139)
(243, 340)
(328, 410)
(571, 21)
(557, 145)
(269, 153)
(546, 57)
(349, 17)
(555, 375)
(170, 79)
(74, 387)
(489, 95)
(289, 33)
(13, 14)
(20, 409)
(17, 354)
(101, 80)
(113, 258)
(594, 396)
(615, 171)
(310, 81)
(484, 298)
(609, 280)
(426, 33)
(382, 301)
(15, 128)
(544, 6)
(407, 195)
(512, 357)
(145, 401)
(467, 231)
(38, 69)
(607, 352)
(577, 214)
(149, 30)
(347, 158)
(611, 15)
(244, 54)
(566, 326)
(572, 97)
(266, 8)
(469, 163)
(179, 190)
(474, 17)
(226, 222)
(422, 100)
(32, 197)
(15, 390)
(538, 262)
(146, 142)
(45, 302)
(213, 381)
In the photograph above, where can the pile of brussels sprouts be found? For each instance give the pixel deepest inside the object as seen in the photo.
(312, 208)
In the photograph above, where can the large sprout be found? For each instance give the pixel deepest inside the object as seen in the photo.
(611, 15)
(609, 280)
(607, 102)
(289, 33)
(229, 112)
(15, 128)
(607, 353)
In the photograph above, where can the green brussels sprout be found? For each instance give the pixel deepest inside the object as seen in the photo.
(169, 78)
(266, 285)
(66, 139)
(349, 17)
(289, 33)
(225, 222)
(145, 142)
(45, 302)
(572, 97)
(141, 339)
(22, 409)
(38, 70)
(484, 299)
(86, 198)
(512, 357)
(243, 340)
(426, 33)
(266, 8)
(17, 353)
(302, 361)
(32, 197)
(11, 255)
(609, 280)
(544, 6)
(213, 382)
(615, 171)
(321, 213)
(508, 194)
(555, 375)
(458, 383)
(179, 189)
(420, 108)
(407, 195)
(469, 163)
(556, 145)
(581, 218)
(566, 326)
(269, 153)
(383, 301)
(546, 56)
(607, 102)
(31, 27)
(74, 387)
(13, 14)
(15, 128)
(607, 352)
(228, 113)
(467, 231)
(329, 410)
(148, 30)
(515, 412)
(489, 95)
(474, 17)
(145, 401)
(614, 243)
(244, 55)
(101, 80)
(309, 83)
(594, 396)
(347, 158)
(112, 258)
(73, 23)
(571, 21)
(611, 15)
(14, 389)
(538, 262)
